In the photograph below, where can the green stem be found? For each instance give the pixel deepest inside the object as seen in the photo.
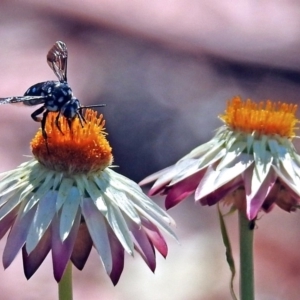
(246, 258)
(65, 285)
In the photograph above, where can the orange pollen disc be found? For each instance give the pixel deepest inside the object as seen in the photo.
(83, 148)
(264, 118)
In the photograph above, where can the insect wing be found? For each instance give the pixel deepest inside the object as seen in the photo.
(57, 59)
(27, 100)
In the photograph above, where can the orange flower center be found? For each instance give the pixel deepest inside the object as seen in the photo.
(264, 118)
(79, 148)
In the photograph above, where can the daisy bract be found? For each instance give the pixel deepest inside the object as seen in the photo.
(250, 163)
(67, 199)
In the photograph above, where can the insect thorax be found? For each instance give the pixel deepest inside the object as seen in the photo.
(56, 94)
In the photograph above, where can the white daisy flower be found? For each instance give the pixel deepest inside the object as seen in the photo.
(251, 162)
(68, 200)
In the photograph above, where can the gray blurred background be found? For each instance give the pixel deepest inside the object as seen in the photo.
(165, 69)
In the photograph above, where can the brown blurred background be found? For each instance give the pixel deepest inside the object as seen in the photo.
(165, 70)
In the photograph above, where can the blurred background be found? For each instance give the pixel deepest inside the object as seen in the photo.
(165, 69)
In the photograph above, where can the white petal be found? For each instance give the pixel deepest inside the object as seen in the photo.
(119, 226)
(96, 194)
(97, 229)
(232, 153)
(169, 173)
(42, 219)
(63, 191)
(213, 179)
(250, 140)
(286, 163)
(13, 187)
(211, 156)
(141, 202)
(231, 139)
(6, 197)
(274, 147)
(157, 175)
(80, 184)
(134, 191)
(161, 223)
(119, 198)
(191, 167)
(202, 149)
(68, 213)
(57, 180)
(284, 176)
(258, 151)
(260, 172)
(9, 205)
(39, 194)
(296, 167)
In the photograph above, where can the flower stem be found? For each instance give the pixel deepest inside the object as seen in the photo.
(65, 285)
(246, 258)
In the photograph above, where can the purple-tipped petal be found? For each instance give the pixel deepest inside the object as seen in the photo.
(97, 226)
(158, 174)
(282, 196)
(165, 176)
(269, 202)
(7, 222)
(287, 203)
(255, 202)
(214, 178)
(155, 237)
(61, 251)
(17, 237)
(221, 192)
(82, 247)
(143, 246)
(43, 217)
(183, 189)
(33, 261)
(117, 251)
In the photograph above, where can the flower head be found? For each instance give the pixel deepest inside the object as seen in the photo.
(68, 200)
(250, 162)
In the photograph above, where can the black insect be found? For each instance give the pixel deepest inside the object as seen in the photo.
(56, 96)
(252, 224)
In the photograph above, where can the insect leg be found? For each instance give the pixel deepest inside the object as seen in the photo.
(43, 124)
(57, 122)
(35, 117)
(80, 116)
(70, 121)
(35, 114)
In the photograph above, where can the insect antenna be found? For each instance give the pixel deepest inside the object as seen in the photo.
(80, 115)
(89, 106)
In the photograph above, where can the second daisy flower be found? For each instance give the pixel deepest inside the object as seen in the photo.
(250, 163)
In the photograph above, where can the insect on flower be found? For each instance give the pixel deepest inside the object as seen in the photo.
(56, 96)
